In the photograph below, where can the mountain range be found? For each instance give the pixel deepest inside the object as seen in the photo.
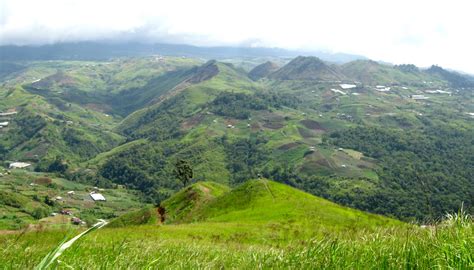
(341, 131)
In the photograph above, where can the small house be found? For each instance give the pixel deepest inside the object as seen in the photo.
(70, 193)
(19, 165)
(76, 220)
(347, 86)
(97, 196)
(418, 97)
(66, 212)
(7, 113)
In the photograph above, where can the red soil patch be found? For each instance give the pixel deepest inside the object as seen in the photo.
(323, 162)
(192, 122)
(273, 125)
(43, 181)
(305, 133)
(311, 124)
(288, 146)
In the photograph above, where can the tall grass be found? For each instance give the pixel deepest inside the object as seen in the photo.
(55, 253)
(445, 246)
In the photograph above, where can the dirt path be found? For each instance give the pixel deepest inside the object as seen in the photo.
(8, 232)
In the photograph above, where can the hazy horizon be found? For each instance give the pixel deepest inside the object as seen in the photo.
(422, 33)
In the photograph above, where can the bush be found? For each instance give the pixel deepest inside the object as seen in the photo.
(40, 212)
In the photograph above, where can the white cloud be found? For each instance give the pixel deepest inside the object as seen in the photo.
(420, 32)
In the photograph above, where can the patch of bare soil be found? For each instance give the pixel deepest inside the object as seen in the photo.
(288, 146)
(305, 133)
(311, 124)
(192, 122)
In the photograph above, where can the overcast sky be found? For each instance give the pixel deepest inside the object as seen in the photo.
(398, 31)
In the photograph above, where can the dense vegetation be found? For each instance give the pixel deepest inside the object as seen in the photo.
(143, 168)
(240, 105)
(423, 174)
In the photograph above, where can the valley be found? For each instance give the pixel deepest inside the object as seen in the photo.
(292, 159)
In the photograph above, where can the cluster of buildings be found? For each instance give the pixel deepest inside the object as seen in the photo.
(5, 118)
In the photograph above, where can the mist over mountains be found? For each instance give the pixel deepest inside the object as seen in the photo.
(107, 50)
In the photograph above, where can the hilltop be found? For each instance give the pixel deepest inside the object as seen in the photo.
(263, 70)
(307, 68)
(263, 201)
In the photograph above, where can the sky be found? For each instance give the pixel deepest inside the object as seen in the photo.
(416, 31)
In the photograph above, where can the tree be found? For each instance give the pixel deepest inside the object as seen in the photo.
(58, 165)
(183, 171)
(39, 213)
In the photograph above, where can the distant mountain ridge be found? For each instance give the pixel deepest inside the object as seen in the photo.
(104, 51)
(363, 71)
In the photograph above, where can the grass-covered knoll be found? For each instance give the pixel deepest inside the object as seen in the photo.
(146, 215)
(263, 202)
(187, 203)
(218, 245)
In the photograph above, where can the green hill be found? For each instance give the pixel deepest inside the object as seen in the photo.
(263, 70)
(187, 203)
(374, 73)
(307, 68)
(263, 201)
(455, 79)
(42, 129)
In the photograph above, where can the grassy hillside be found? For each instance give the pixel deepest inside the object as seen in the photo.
(186, 204)
(41, 130)
(248, 228)
(373, 73)
(307, 68)
(264, 201)
(29, 199)
(263, 70)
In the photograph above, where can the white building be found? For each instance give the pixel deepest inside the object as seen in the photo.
(97, 196)
(19, 165)
(347, 86)
(418, 97)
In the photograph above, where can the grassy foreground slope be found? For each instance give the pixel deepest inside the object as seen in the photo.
(230, 238)
(263, 201)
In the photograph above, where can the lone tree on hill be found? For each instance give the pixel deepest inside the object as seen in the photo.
(183, 171)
